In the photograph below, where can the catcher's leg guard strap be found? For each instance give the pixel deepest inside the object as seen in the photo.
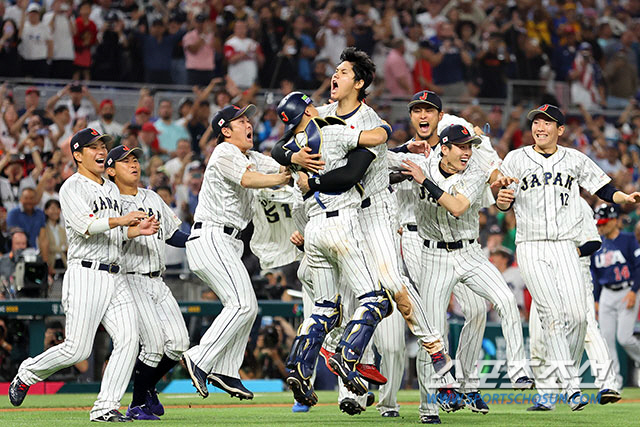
(306, 346)
(374, 307)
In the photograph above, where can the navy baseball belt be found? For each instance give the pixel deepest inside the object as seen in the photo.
(367, 202)
(226, 229)
(412, 227)
(450, 246)
(153, 274)
(618, 286)
(109, 268)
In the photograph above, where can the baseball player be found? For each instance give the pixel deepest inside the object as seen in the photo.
(547, 208)
(427, 119)
(333, 245)
(163, 333)
(348, 88)
(601, 365)
(616, 276)
(94, 289)
(214, 250)
(450, 189)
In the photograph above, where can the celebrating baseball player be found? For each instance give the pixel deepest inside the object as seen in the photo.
(333, 245)
(450, 192)
(547, 208)
(594, 344)
(214, 250)
(163, 333)
(348, 88)
(616, 275)
(94, 289)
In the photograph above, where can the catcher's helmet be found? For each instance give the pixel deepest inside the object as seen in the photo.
(291, 108)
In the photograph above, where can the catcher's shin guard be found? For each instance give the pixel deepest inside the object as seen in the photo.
(374, 306)
(306, 346)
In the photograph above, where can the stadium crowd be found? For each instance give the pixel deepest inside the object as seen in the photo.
(586, 56)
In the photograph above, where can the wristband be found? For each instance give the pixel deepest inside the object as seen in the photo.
(387, 129)
(433, 189)
(314, 183)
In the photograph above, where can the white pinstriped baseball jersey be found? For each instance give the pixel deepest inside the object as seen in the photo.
(337, 141)
(484, 153)
(588, 231)
(146, 254)
(223, 200)
(376, 178)
(547, 204)
(434, 221)
(406, 199)
(83, 201)
(272, 226)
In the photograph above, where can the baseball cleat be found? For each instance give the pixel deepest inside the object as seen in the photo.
(302, 389)
(233, 386)
(608, 395)
(371, 398)
(17, 391)
(538, 407)
(350, 377)
(450, 400)
(578, 401)
(442, 363)
(299, 407)
(390, 414)
(524, 383)
(430, 419)
(198, 376)
(350, 406)
(474, 402)
(113, 416)
(140, 413)
(152, 402)
(367, 371)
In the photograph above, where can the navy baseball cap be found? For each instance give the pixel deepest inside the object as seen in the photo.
(120, 152)
(87, 136)
(229, 114)
(551, 111)
(291, 109)
(426, 97)
(458, 134)
(605, 213)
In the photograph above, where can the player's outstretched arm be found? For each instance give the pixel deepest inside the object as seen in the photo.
(456, 205)
(146, 227)
(374, 137)
(342, 178)
(253, 179)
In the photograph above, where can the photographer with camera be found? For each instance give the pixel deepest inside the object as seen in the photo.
(271, 349)
(54, 335)
(22, 271)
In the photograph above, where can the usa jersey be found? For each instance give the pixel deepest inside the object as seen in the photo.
(616, 264)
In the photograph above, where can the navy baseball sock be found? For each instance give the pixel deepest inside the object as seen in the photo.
(142, 376)
(165, 365)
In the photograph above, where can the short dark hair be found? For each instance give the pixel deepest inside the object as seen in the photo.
(52, 202)
(60, 109)
(363, 68)
(163, 187)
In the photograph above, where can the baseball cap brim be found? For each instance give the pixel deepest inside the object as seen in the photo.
(136, 151)
(603, 221)
(105, 137)
(533, 113)
(422, 101)
(248, 111)
(471, 139)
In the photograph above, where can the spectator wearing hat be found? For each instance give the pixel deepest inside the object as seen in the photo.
(36, 45)
(170, 132)
(106, 124)
(15, 182)
(60, 22)
(199, 51)
(502, 258)
(148, 138)
(77, 98)
(85, 38)
(244, 56)
(141, 116)
(27, 216)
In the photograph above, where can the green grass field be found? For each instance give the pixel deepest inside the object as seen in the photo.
(274, 409)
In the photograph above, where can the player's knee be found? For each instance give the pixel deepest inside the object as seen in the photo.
(626, 338)
(576, 317)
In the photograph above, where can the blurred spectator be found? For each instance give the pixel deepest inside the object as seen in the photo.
(85, 38)
(78, 99)
(269, 129)
(61, 127)
(199, 51)
(362, 35)
(397, 76)
(9, 57)
(306, 51)
(187, 193)
(5, 353)
(170, 132)
(198, 123)
(564, 54)
(586, 79)
(178, 65)
(175, 257)
(175, 168)
(621, 74)
(157, 49)
(244, 56)
(54, 335)
(36, 45)
(109, 60)
(27, 216)
(270, 353)
(449, 61)
(502, 258)
(12, 186)
(332, 39)
(60, 22)
(272, 45)
(106, 122)
(148, 138)
(52, 240)
(492, 65)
